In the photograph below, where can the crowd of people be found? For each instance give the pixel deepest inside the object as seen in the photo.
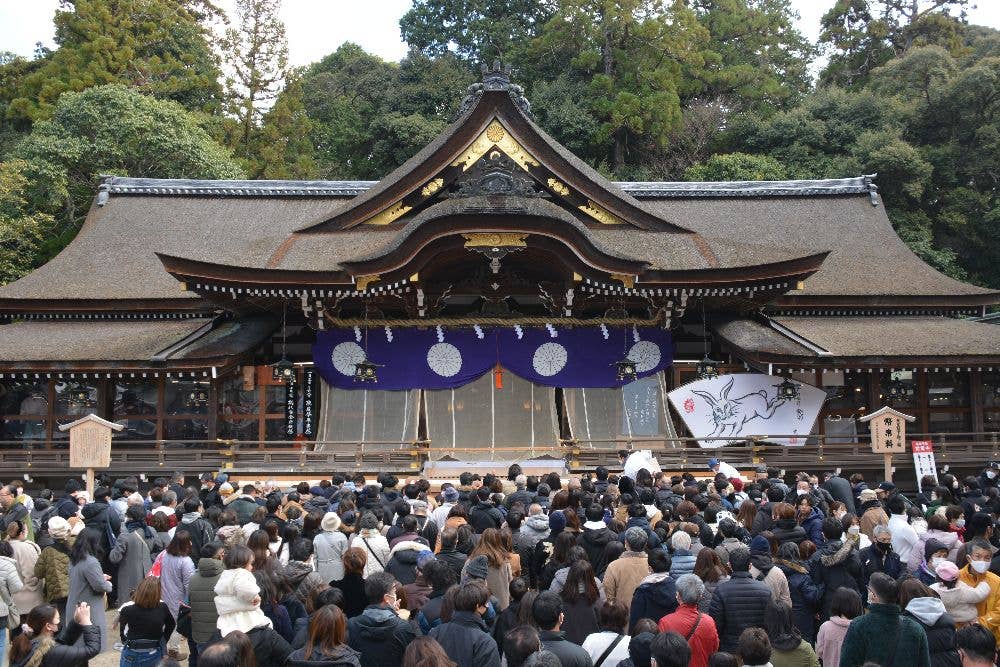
(598, 570)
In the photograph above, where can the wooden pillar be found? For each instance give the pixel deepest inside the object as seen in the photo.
(976, 400)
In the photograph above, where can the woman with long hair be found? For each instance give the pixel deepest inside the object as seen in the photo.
(806, 596)
(498, 569)
(272, 607)
(259, 543)
(132, 553)
(426, 652)
(87, 582)
(327, 643)
(788, 648)
(558, 560)
(26, 555)
(145, 625)
(581, 602)
(38, 645)
(709, 568)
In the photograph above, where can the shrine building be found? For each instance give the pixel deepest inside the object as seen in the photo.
(493, 299)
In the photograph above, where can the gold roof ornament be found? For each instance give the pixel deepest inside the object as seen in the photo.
(495, 240)
(600, 214)
(495, 135)
(388, 215)
(432, 186)
(361, 283)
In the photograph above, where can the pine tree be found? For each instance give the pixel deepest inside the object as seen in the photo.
(256, 55)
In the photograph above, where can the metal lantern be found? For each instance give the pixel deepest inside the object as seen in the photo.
(897, 389)
(626, 370)
(788, 390)
(197, 397)
(366, 371)
(708, 369)
(283, 370)
(79, 395)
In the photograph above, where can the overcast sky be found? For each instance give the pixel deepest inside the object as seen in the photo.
(318, 27)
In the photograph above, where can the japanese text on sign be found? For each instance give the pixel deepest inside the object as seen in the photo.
(291, 413)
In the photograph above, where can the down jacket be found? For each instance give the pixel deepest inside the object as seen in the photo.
(736, 605)
(53, 567)
(806, 597)
(836, 564)
(402, 562)
(201, 598)
(466, 641)
(71, 652)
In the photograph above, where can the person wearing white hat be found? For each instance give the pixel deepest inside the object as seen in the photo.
(872, 514)
(52, 566)
(329, 547)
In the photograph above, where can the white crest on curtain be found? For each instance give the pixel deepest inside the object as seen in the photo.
(519, 331)
(552, 331)
(440, 333)
(388, 334)
(479, 331)
(357, 334)
(604, 331)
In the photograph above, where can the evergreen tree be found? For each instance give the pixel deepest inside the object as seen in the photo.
(160, 47)
(286, 149)
(256, 53)
(22, 230)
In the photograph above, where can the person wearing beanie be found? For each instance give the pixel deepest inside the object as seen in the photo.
(959, 598)
(762, 569)
(69, 504)
(52, 565)
(937, 529)
(872, 514)
(449, 497)
(934, 553)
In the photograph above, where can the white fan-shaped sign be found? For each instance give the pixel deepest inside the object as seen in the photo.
(747, 404)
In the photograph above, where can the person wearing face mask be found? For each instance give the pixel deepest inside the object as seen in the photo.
(989, 476)
(937, 529)
(958, 597)
(934, 553)
(464, 638)
(379, 634)
(976, 572)
(880, 557)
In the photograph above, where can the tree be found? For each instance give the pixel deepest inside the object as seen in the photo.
(22, 230)
(286, 150)
(159, 47)
(478, 31)
(631, 54)
(861, 35)
(257, 55)
(368, 115)
(756, 58)
(111, 130)
(737, 167)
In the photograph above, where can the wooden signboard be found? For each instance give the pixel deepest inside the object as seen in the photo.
(90, 444)
(888, 433)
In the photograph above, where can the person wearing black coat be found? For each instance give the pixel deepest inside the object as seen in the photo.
(879, 557)
(938, 625)
(61, 649)
(547, 612)
(836, 564)
(465, 638)
(379, 634)
(763, 520)
(353, 588)
(806, 594)
(841, 490)
(595, 538)
(656, 596)
(739, 603)
(484, 514)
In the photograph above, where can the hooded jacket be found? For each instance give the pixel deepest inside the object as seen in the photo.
(786, 530)
(806, 596)
(485, 515)
(244, 505)
(97, 516)
(652, 539)
(762, 569)
(940, 629)
(813, 525)
(594, 539)
(872, 515)
(535, 528)
(655, 597)
(341, 656)
(302, 579)
(945, 537)
(380, 636)
(201, 598)
(466, 641)
(961, 600)
(403, 561)
(835, 564)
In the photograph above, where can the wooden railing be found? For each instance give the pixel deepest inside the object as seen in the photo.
(959, 451)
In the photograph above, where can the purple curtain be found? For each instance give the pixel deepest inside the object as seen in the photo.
(445, 358)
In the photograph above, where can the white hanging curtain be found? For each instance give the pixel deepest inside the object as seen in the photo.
(638, 410)
(367, 416)
(520, 415)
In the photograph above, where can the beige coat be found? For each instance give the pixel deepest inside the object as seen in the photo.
(624, 575)
(25, 556)
(777, 582)
(874, 516)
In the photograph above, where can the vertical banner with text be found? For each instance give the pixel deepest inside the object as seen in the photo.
(291, 411)
(309, 389)
(923, 460)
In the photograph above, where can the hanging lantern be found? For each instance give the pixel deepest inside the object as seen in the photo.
(366, 371)
(626, 370)
(197, 397)
(79, 395)
(897, 390)
(283, 370)
(498, 376)
(788, 390)
(708, 369)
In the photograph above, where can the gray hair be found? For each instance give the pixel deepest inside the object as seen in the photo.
(636, 538)
(690, 588)
(680, 540)
(169, 497)
(520, 480)
(879, 529)
(542, 658)
(368, 521)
